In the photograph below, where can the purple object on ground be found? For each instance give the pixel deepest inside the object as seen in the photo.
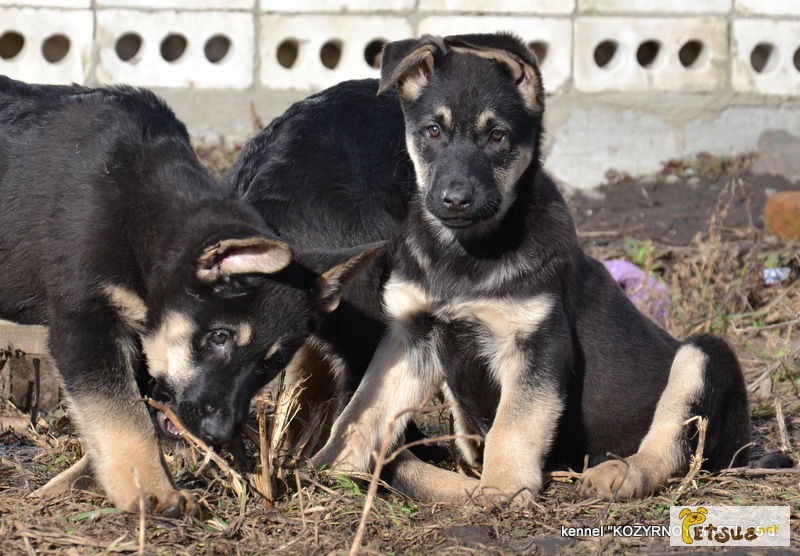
(647, 293)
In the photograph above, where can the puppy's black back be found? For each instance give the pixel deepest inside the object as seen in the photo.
(353, 180)
(81, 176)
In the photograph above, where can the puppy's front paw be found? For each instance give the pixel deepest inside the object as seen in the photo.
(341, 459)
(506, 490)
(175, 504)
(349, 451)
(167, 502)
(519, 498)
(616, 480)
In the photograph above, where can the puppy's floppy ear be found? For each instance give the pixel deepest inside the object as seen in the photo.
(338, 269)
(513, 55)
(253, 255)
(408, 65)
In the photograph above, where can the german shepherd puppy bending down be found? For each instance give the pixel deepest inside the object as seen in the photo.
(145, 269)
(492, 302)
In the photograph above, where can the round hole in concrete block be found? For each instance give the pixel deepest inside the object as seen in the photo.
(764, 57)
(128, 46)
(173, 46)
(11, 44)
(331, 53)
(55, 48)
(692, 54)
(216, 48)
(374, 52)
(796, 59)
(647, 53)
(287, 53)
(540, 49)
(604, 53)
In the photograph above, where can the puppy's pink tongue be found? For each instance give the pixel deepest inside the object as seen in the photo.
(168, 426)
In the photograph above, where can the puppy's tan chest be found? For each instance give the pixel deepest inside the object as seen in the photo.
(502, 318)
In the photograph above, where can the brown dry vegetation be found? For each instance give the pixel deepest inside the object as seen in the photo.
(714, 284)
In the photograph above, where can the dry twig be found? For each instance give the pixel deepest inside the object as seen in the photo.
(786, 442)
(696, 462)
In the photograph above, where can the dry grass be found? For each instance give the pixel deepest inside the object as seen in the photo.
(262, 506)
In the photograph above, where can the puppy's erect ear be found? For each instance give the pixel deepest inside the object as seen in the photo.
(339, 268)
(254, 255)
(407, 65)
(511, 54)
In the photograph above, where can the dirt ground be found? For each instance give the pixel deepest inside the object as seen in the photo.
(696, 226)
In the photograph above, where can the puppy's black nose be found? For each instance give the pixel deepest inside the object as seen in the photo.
(217, 429)
(457, 199)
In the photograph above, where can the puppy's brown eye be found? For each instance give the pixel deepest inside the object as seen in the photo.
(497, 135)
(433, 131)
(220, 337)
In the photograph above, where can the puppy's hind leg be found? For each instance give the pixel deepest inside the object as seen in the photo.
(77, 476)
(704, 380)
(422, 481)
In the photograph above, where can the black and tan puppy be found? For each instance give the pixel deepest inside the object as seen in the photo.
(492, 301)
(145, 269)
(332, 174)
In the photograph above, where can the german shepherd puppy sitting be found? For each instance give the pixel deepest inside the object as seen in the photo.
(145, 269)
(492, 302)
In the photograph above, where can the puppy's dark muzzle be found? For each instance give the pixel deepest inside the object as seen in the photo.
(217, 428)
(455, 206)
(458, 200)
(213, 424)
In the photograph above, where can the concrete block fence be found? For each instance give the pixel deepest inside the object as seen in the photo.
(669, 76)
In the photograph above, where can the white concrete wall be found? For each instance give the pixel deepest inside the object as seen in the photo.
(630, 82)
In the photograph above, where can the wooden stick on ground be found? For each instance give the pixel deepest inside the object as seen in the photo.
(140, 536)
(786, 442)
(697, 460)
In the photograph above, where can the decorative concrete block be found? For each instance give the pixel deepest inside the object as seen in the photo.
(550, 38)
(674, 7)
(282, 6)
(766, 56)
(178, 4)
(45, 45)
(317, 51)
(499, 6)
(73, 4)
(640, 54)
(176, 49)
(768, 7)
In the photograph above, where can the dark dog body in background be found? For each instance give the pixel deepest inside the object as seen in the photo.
(332, 173)
(492, 301)
(144, 268)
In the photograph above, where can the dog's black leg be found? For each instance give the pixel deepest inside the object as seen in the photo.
(527, 355)
(404, 371)
(398, 378)
(96, 355)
